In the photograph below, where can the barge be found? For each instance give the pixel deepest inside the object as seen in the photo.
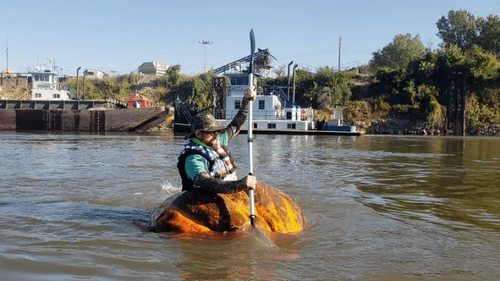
(51, 108)
(69, 115)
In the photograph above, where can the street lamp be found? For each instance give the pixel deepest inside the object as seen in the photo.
(205, 43)
(288, 85)
(77, 71)
(85, 72)
(294, 67)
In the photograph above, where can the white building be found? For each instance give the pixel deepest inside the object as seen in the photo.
(153, 68)
(93, 74)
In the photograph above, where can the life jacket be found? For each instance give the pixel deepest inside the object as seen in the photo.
(220, 163)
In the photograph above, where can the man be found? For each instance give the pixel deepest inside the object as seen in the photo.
(205, 163)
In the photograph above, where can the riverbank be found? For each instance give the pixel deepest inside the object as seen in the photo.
(398, 126)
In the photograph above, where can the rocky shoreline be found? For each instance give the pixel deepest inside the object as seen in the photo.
(396, 126)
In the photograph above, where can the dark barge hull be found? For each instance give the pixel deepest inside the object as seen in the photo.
(100, 119)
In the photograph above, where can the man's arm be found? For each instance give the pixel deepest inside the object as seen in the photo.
(235, 126)
(197, 169)
(204, 182)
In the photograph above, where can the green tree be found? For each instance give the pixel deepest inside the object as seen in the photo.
(280, 71)
(480, 116)
(460, 28)
(422, 70)
(201, 88)
(357, 112)
(328, 88)
(489, 36)
(402, 50)
(389, 84)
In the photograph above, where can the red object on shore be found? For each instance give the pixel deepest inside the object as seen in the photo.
(136, 100)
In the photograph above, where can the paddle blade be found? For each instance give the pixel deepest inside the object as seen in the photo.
(254, 233)
(252, 51)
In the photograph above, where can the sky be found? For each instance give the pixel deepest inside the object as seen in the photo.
(116, 36)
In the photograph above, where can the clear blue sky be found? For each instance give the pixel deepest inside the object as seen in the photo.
(115, 35)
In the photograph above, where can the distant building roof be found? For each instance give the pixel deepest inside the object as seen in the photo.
(153, 68)
(7, 71)
(94, 73)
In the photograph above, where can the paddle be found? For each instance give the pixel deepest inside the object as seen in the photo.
(262, 237)
(250, 128)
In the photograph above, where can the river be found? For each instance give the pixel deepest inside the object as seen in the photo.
(76, 207)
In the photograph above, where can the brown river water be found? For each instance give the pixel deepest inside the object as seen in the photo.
(76, 207)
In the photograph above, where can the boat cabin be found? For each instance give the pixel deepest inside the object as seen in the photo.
(45, 86)
(271, 110)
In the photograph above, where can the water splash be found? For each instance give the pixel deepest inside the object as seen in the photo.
(169, 188)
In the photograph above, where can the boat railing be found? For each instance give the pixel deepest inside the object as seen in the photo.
(44, 86)
(117, 102)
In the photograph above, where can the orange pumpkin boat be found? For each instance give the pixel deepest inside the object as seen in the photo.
(203, 213)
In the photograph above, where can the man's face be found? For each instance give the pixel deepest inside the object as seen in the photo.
(206, 137)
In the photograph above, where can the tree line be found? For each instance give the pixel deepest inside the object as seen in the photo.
(455, 87)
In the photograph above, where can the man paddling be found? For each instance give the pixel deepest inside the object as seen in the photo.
(205, 162)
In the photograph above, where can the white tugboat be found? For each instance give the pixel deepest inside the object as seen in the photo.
(272, 111)
(45, 85)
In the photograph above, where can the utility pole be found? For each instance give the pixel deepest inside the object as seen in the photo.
(205, 43)
(464, 100)
(340, 50)
(288, 85)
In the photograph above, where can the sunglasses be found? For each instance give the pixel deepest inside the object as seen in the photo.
(210, 133)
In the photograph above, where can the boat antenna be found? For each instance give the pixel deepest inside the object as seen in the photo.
(250, 128)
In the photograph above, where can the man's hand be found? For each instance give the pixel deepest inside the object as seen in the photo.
(250, 94)
(250, 181)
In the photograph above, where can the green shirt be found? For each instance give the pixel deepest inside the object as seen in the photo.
(197, 164)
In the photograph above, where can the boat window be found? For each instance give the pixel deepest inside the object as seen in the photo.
(56, 96)
(271, 126)
(255, 125)
(288, 115)
(41, 77)
(244, 80)
(38, 95)
(292, 126)
(239, 81)
(237, 104)
(262, 104)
